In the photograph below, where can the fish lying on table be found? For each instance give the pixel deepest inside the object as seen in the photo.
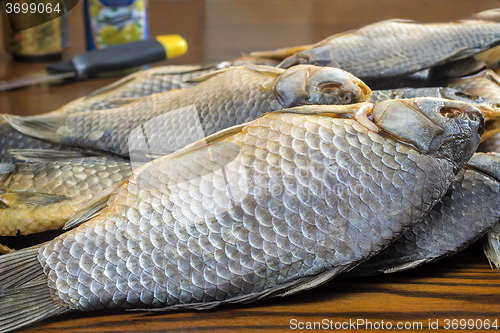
(268, 208)
(153, 81)
(406, 47)
(40, 196)
(222, 99)
(121, 92)
(470, 208)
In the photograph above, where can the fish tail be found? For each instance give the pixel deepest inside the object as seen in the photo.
(41, 127)
(491, 247)
(25, 296)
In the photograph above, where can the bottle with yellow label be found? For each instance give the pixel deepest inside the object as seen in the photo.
(113, 22)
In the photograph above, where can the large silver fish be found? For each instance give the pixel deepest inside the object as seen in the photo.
(395, 48)
(153, 81)
(40, 196)
(226, 98)
(268, 208)
(143, 83)
(470, 208)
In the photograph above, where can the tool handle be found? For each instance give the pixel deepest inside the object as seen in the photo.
(122, 56)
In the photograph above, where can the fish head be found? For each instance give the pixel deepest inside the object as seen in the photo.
(435, 126)
(312, 85)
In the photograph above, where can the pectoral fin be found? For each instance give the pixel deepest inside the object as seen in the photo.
(91, 208)
(19, 199)
(5, 170)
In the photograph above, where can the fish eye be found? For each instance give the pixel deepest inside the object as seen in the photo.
(462, 94)
(346, 96)
(450, 112)
(329, 86)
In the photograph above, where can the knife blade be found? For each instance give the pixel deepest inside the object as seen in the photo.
(110, 59)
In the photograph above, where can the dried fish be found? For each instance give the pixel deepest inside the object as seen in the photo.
(268, 208)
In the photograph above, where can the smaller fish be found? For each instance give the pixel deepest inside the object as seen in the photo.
(222, 99)
(153, 81)
(406, 47)
(470, 208)
(44, 195)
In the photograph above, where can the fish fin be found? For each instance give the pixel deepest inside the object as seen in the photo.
(20, 267)
(205, 77)
(119, 102)
(182, 69)
(286, 289)
(347, 110)
(265, 69)
(491, 247)
(200, 143)
(25, 296)
(5, 171)
(91, 208)
(5, 249)
(23, 306)
(16, 199)
(49, 155)
(405, 266)
(315, 281)
(492, 76)
(42, 127)
(113, 85)
(281, 53)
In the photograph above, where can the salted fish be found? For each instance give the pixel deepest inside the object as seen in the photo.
(269, 208)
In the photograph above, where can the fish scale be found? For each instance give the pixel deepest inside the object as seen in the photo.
(208, 108)
(251, 231)
(222, 100)
(313, 249)
(63, 186)
(467, 211)
(405, 46)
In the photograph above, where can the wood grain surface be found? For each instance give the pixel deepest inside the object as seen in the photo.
(461, 287)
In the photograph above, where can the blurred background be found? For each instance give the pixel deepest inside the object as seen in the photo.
(224, 29)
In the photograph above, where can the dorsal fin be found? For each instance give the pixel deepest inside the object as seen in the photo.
(347, 110)
(16, 199)
(119, 102)
(265, 69)
(281, 53)
(208, 76)
(113, 85)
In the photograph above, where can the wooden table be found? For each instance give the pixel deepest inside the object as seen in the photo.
(461, 287)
